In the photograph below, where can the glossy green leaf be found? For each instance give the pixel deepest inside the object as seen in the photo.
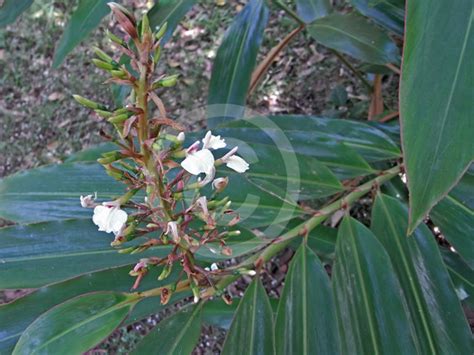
(455, 218)
(52, 192)
(17, 315)
(436, 314)
(11, 9)
(91, 154)
(305, 321)
(371, 311)
(218, 313)
(177, 334)
(77, 325)
(234, 63)
(300, 176)
(310, 10)
(170, 12)
(84, 20)
(461, 275)
(41, 253)
(322, 241)
(388, 14)
(251, 331)
(353, 35)
(436, 159)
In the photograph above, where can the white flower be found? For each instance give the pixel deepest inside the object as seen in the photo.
(181, 136)
(199, 162)
(87, 201)
(212, 142)
(236, 163)
(109, 218)
(220, 184)
(214, 267)
(172, 231)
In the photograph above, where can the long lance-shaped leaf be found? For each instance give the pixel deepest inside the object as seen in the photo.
(436, 313)
(51, 193)
(388, 14)
(17, 315)
(305, 321)
(77, 325)
(437, 127)
(353, 35)
(170, 12)
(310, 10)
(251, 331)
(234, 63)
(85, 19)
(11, 9)
(177, 334)
(454, 215)
(37, 254)
(372, 313)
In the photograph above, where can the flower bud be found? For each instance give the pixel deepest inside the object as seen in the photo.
(234, 233)
(220, 184)
(103, 113)
(181, 137)
(119, 118)
(227, 299)
(102, 55)
(110, 158)
(103, 65)
(165, 273)
(116, 39)
(145, 26)
(161, 32)
(157, 54)
(120, 73)
(88, 103)
(168, 81)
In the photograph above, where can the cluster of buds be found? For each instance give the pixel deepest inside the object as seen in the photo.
(156, 165)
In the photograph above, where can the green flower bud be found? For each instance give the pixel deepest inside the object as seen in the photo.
(165, 273)
(88, 103)
(105, 114)
(118, 118)
(103, 65)
(157, 55)
(115, 39)
(168, 81)
(145, 26)
(120, 73)
(109, 157)
(161, 32)
(102, 55)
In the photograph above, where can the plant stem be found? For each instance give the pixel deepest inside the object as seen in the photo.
(352, 69)
(290, 12)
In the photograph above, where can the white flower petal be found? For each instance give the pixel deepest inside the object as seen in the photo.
(199, 162)
(213, 142)
(109, 219)
(181, 136)
(237, 163)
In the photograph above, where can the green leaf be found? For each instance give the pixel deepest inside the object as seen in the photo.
(388, 14)
(436, 159)
(76, 325)
(353, 35)
(436, 314)
(461, 275)
(300, 176)
(91, 154)
(86, 18)
(17, 315)
(310, 10)
(177, 334)
(322, 241)
(234, 63)
(305, 321)
(41, 253)
(455, 218)
(52, 192)
(170, 12)
(218, 313)
(372, 313)
(251, 331)
(11, 9)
